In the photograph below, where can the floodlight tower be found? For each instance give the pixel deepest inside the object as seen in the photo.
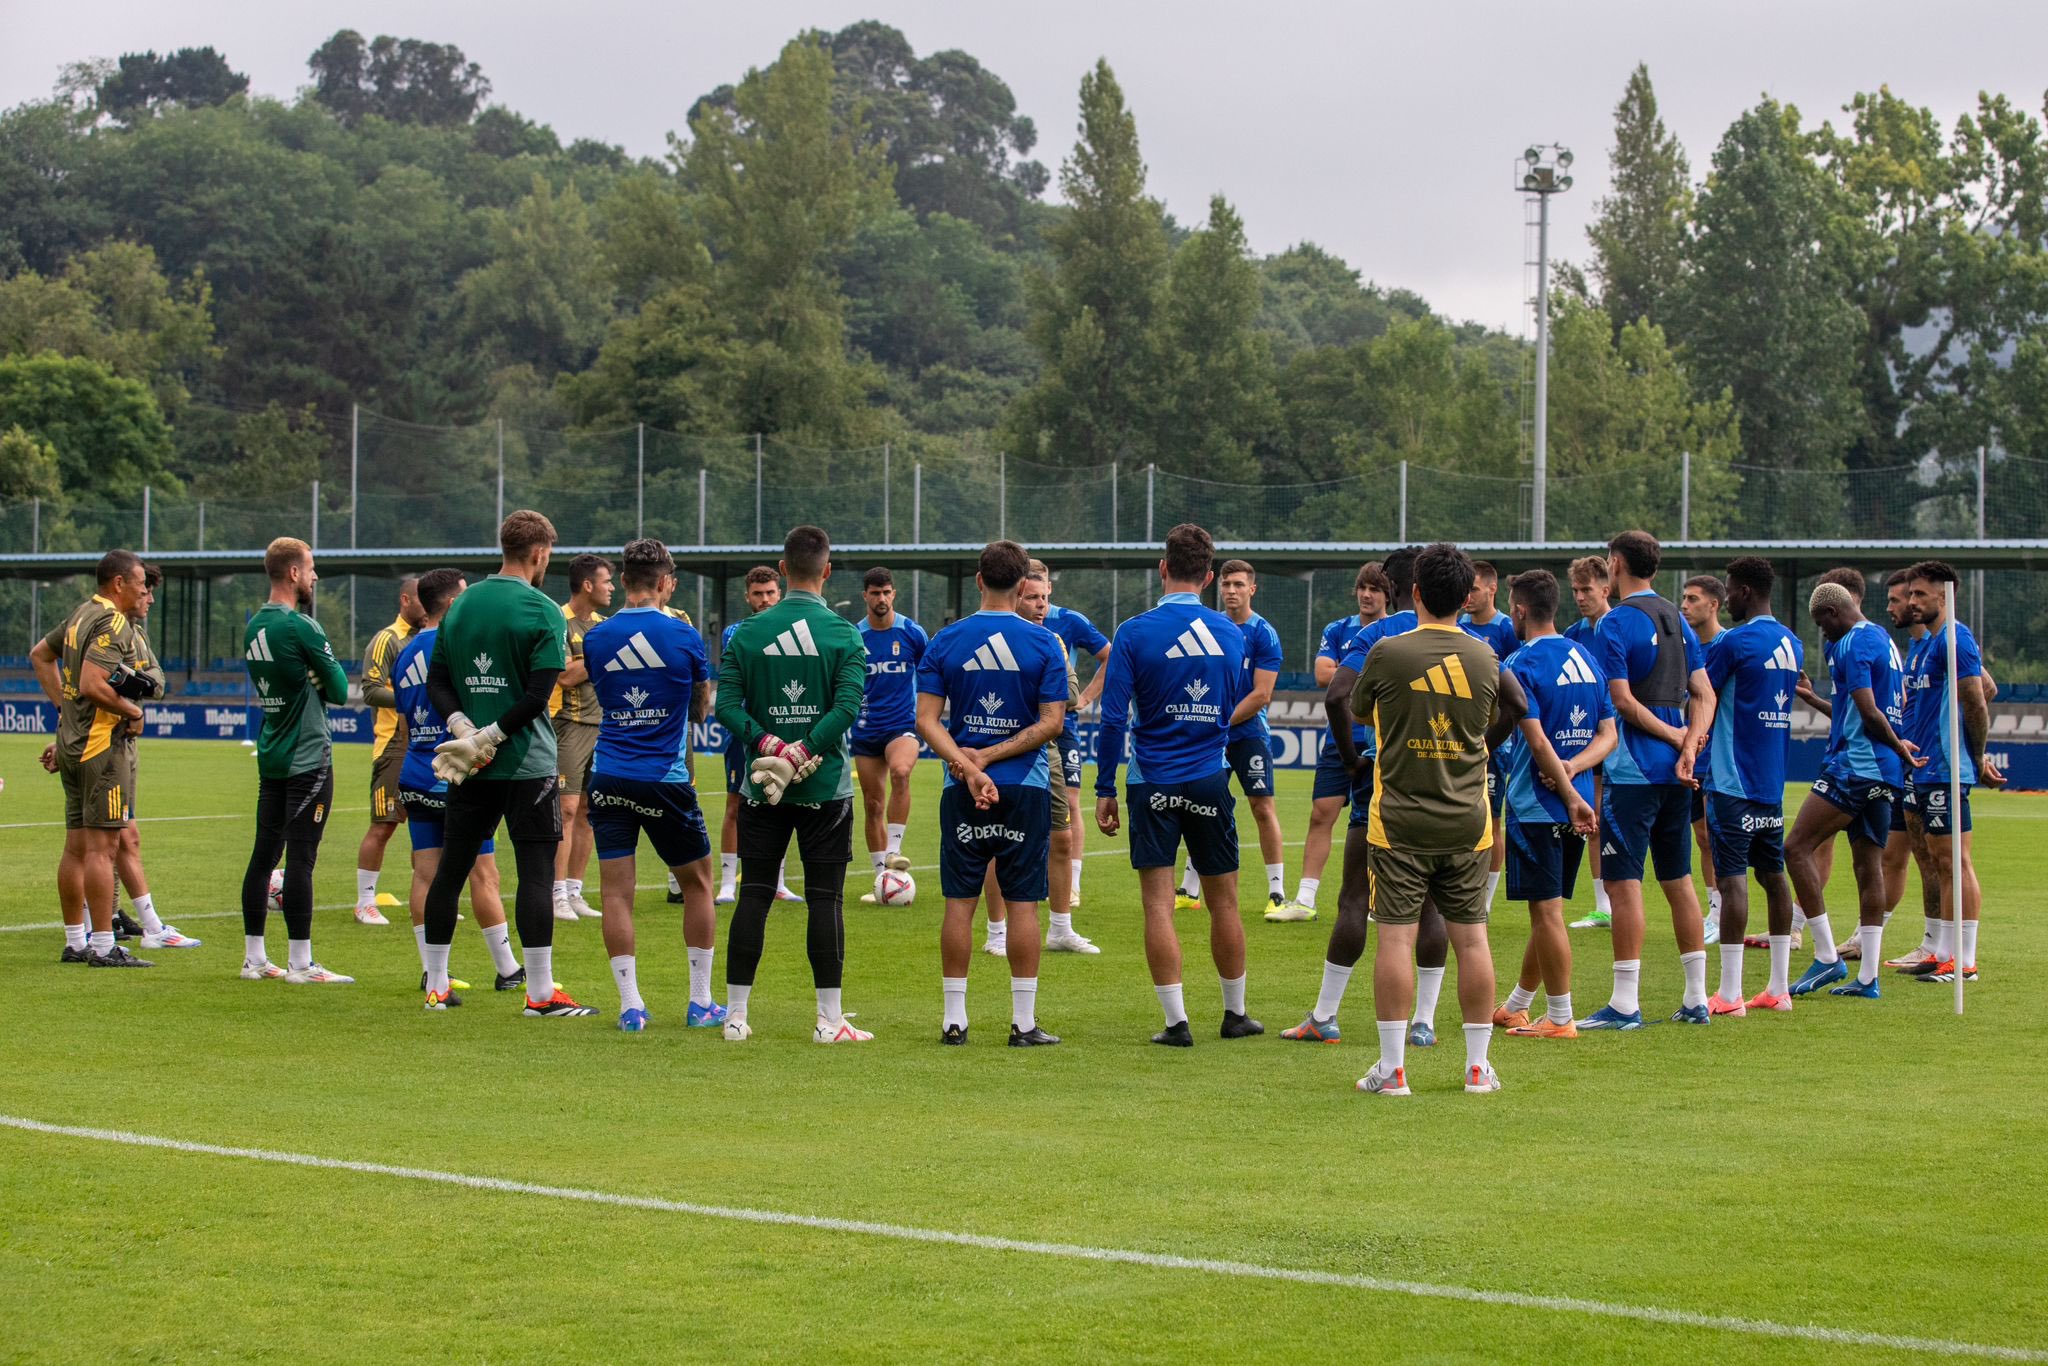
(1542, 173)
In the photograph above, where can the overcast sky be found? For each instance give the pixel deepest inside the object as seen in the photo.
(1387, 133)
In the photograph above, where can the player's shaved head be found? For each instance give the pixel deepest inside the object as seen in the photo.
(1443, 579)
(644, 564)
(1190, 554)
(806, 552)
(1003, 566)
(1399, 567)
(437, 588)
(1753, 572)
(1536, 592)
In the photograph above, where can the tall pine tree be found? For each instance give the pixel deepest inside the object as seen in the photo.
(1215, 395)
(1639, 236)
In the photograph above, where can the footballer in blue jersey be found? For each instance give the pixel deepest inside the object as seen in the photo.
(652, 679)
(764, 590)
(991, 694)
(424, 794)
(1656, 674)
(1570, 713)
(1589, 588)
(1700, 603)
(1083, 639)
(883, 740)
(1174, 679)
(1483, 621)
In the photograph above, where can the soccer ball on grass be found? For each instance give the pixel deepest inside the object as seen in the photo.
(895, 889)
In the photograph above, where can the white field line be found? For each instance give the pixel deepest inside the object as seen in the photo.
(157, 820)
(1510, 1299)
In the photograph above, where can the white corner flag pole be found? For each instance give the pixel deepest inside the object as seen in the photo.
(1954, 721)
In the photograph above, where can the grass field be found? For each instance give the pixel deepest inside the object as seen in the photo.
(1873, 1171)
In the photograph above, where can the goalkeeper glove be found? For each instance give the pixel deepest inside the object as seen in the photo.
(778, 771)
(470, 750)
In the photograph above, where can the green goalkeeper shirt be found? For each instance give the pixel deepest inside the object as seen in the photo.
(795, 671)
(497, 634)
(293, 670)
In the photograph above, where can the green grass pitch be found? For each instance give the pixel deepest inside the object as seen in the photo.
(1872, 1168)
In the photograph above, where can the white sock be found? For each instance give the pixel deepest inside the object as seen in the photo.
(1945, 940)
(728, 870)
(1190, 882)
(1276, 880)
(1076, 865)
(540, 973)
(1024, 1003)
(1170, 1002)
(700, 976)
(1477, 1038)
(674, 888)
(1714, 905)
(1521, 998)
(1492, 886)
(77, 937)
(895, 838)
(498, 939)
(1429, 984)
(1872, 939)
(1798, 917)
(1307, 894)
(999, 933)
(253, 950)
(145, 911)
(1561, 1009)
(1968, 957)
(878, 857)
(626, 972)
(1628, 974)
(736, 1000)
(1601, 903)
(1824, 950)
(102, 941)
(299, 954)
(1393, 1046)
(435, 957)
(561, 889)
(1731, 972)
(828, 1005)
(1781, 964)
(1233, 994)
(1931, 935)
(954, 990)
(1335, 978)
(419, 937)
(1695, 965)
(575, 885)
(366, 886)
(1062, 922)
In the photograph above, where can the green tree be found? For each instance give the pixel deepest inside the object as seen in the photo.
(1093, 318)
(143, 83)
(1639, 234)
(112, 305)
(543, 300)
(28, 468)
(403, 80)
(1215, 396)
(1310, 297)
(109, 437)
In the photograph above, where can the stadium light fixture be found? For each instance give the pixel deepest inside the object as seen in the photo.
(1542, 174)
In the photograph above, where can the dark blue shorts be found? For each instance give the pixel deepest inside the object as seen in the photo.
(1161, 816)
(1867, 801)
(426, 814)
(1251, 759)
(1929, 801)
(1070, 753)
(1361, 794)
(1645, 824)
(1015, 834)
(1331, 779)
(1496, 786)
(1543, 860)
(1899, 810)
(622, 808)
(1745, 834)
(1699, 812)
(877, 745)
(735, 769)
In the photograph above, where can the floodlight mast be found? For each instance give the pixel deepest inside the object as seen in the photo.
(1542, 174)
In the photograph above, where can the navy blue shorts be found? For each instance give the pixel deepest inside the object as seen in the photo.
(1070, 753)
(1901, 808)
(1543, 860)
(735, 769)
(1251, 759)
(1496, 786)
(1015, 834)
(1645, 824)
(622, 808)
(1868, 803)
(1929, 801)
(877, 746)
(1745, 834)
(1699, 813)
(426, 816)
(1202, 814)
(1361, 794)
(1331, 779)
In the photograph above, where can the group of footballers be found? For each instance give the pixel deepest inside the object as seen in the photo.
(1470, 745)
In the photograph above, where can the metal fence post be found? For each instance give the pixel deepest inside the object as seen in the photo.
(757, 488)
(640, 486)
(1150, 471)
(501, 471)
(35, 527)
(1977, 575)
(352, 459)
(703, 489)
(1402, 520)
(314, 539)
(1003, 494)
(145, 519)
(202, 525)
(885, 493)
(1309, 608)
(917, 503)
(1114, 531)
(1685, 495)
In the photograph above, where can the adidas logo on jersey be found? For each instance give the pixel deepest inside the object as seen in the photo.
(1447, 678)
(636, 653)
(1194, 643)
(794, 641)
(1782, 658)
(1576, 670)
(259, 648)
(415, 675)
(993, 653)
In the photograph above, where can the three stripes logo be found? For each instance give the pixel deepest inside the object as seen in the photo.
(637, 653)
(993, 653)
(415, 675)
(1782, 658)
(1576, 669)
(1194, 643)
(259, 648)
(1447, 678)
(796, 640)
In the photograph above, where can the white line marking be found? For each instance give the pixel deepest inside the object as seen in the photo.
(157, 820)
(1677, 1318)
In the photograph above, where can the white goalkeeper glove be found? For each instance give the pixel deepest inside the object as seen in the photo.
(783, 767)
(470, 749)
